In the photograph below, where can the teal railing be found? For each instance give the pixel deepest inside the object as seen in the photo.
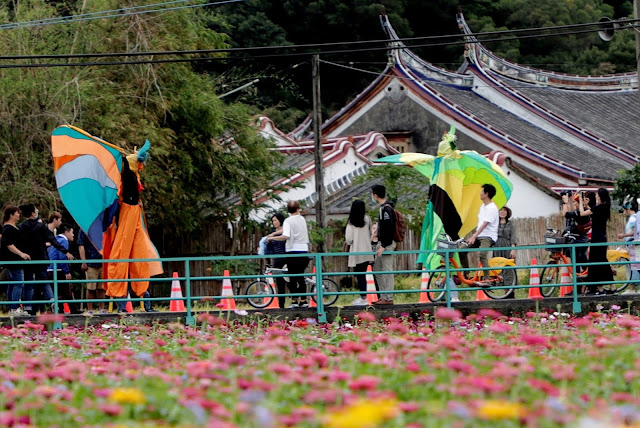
(318, 258)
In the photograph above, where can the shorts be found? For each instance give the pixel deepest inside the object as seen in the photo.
(93, 273)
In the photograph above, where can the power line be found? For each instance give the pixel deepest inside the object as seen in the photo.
(112, 14)
(291, 54)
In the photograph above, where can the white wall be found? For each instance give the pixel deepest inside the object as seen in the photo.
(528, 200)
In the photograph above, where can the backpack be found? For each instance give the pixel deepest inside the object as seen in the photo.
(583, 229)
(401, 225)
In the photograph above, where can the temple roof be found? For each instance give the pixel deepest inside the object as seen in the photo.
(562, 128)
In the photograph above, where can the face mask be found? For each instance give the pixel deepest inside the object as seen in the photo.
(373, 199)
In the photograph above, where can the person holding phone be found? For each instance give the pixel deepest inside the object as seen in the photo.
(600, 213)
(576, 224)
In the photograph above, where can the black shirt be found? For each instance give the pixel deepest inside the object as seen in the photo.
(386, 225)
(35, 236)
(599, 217)
(10, 236)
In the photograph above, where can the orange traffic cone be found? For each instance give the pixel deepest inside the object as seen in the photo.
(424, 282)
(480, 295)
(565, 279)
(534, 281)
(65, 308)
(176, 293)
(371, 286)
(129, 306)
(274, 301)
(228, 304)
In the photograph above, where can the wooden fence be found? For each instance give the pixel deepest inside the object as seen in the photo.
(216, 240)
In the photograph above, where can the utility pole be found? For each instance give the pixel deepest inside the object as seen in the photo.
(636, 15)
(321, 217)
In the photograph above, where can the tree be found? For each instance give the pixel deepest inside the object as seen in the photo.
(628, 183)
(203, 150)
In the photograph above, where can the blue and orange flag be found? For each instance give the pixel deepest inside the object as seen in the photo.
(88, 176)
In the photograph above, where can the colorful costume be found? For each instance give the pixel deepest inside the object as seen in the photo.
(456, 178)
(100, 186)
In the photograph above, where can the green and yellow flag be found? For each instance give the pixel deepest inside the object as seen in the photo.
(456, 178)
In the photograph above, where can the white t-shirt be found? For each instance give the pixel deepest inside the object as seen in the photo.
(295, 227)
(489, 213)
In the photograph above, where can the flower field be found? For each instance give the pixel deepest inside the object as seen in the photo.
(442, 370)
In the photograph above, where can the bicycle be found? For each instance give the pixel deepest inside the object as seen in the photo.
(551, 274)
(498, 277)
(262, 288)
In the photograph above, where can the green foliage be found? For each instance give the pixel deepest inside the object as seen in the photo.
(406, 188)
(628, 183)
(203, 150)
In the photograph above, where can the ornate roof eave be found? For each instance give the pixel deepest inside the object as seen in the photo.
(474, 53)
(483, 58)
(507, 143)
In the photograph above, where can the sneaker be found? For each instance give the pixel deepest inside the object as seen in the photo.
(18, 313)
(150, 310)
(360, 302)
(455, 299)
(303, 304)
(103, 311)
(293, 305)
(627, 292)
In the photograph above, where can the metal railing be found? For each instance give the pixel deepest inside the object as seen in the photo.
(319, 274)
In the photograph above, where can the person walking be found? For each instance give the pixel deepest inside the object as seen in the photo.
(274, 248)
(600, 214)
(296, 235)
(506, 235)
(92, 268)
(61, 270)
(36, 236)
(386, 245)
(358, 238)
(11, 251)
(630, 208)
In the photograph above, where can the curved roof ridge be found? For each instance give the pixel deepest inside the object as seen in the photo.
(554, 117)
(427, 69)
(485, 58)
(507, 141)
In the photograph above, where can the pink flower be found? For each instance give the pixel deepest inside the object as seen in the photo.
(365, 316)
(489, 313)
(364, 383)
(535, 340)
(50, 318)
(110, 409)
(448, 314)
(628, 323)
(500, 328)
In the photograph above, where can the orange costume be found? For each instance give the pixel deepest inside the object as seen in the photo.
(100, 186)
(127, 237)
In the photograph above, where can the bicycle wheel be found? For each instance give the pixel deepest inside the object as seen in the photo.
(550, 275)
(621, 275)
(328, 286)
(260, 288)
(507, 278)
(437, 280)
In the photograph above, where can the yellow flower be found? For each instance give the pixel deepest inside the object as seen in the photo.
(127, 396)
(363, 414)
(497, 410)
